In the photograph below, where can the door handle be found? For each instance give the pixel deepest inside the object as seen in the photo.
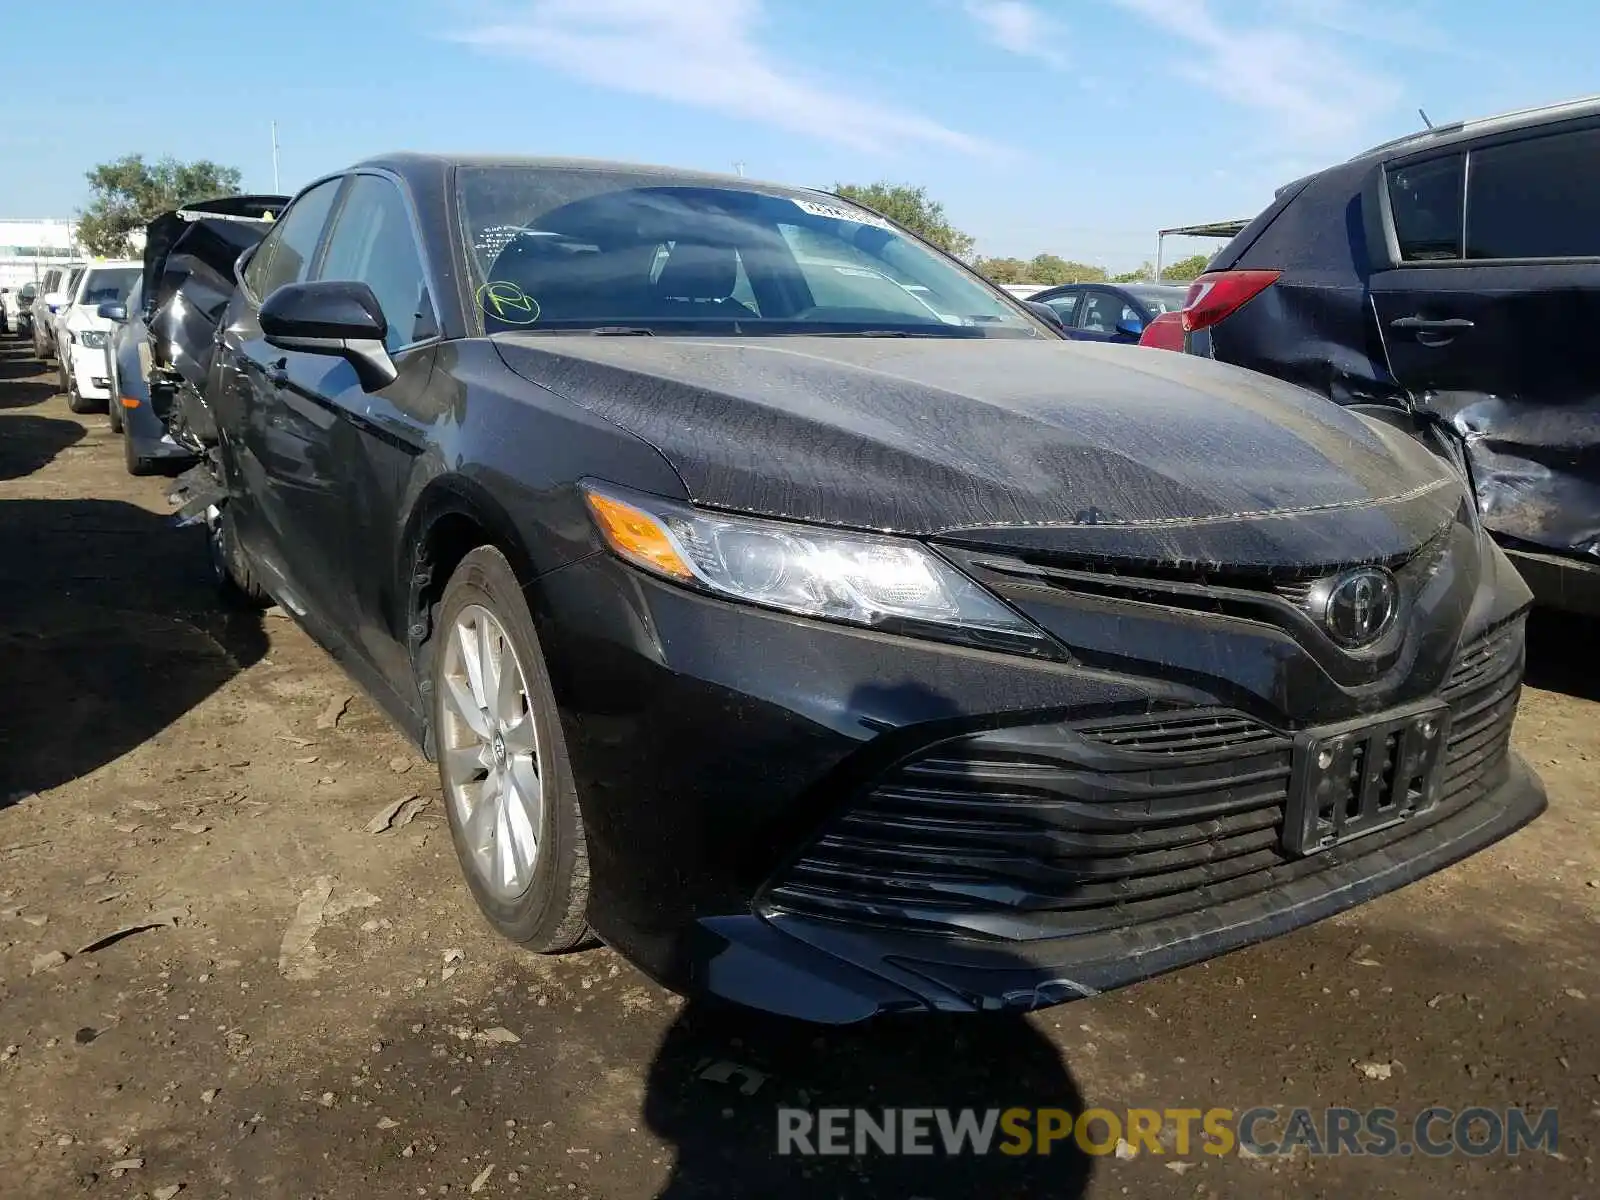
(1432, 333)
(1448, 325)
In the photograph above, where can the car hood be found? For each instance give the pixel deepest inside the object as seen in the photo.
(81, 317)
(1107, 451)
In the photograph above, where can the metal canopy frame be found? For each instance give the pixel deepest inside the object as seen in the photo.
(1226, 230)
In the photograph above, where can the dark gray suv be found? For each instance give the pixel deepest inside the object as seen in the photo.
(1455, 273)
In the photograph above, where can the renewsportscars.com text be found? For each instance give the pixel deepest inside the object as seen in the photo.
(1263, 1130)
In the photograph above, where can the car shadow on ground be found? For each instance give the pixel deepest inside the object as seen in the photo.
(109, 631)
(1564, 653)
(17, 362)
(982, 1063)
(24, 393)
(949, 1064)
(29, 443)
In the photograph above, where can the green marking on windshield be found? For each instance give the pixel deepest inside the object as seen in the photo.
(506, 301)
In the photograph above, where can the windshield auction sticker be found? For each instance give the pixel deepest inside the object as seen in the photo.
(856, 215)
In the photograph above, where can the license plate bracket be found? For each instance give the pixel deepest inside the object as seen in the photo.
(1353, 779)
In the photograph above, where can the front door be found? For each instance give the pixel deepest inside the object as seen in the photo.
(1489, 317)
(372, 439)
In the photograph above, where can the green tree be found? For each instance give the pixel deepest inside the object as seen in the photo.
(913, 208)
(1146, 272)
(1003, 270)
(1049, 268)
(130, 193)
(1185, 269)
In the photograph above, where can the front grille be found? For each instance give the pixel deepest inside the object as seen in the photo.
(1061, 829)
(1297, 592)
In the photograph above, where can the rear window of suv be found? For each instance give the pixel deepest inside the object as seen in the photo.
(1426, 200)
(1536, 198)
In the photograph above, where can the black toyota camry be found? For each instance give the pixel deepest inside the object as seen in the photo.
(801, 615)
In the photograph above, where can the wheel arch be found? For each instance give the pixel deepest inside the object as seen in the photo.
(453, 516)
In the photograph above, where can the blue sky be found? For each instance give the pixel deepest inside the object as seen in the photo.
(1075, 127)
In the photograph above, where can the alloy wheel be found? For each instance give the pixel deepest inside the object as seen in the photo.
(489, 750)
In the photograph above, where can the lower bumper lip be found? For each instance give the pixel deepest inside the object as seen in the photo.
(780, 962)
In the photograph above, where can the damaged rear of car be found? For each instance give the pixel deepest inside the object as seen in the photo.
(1456, 274)
(188, 280)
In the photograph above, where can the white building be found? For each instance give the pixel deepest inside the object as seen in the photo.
(28, 248)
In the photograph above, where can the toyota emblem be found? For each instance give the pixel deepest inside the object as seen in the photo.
(1360, 606)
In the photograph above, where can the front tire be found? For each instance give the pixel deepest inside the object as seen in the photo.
(503, 765)
(236, 583)
(114, 414)
(75, 401)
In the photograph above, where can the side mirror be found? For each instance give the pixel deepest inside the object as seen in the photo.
(334, 318)
(113, 311)
(1130, 327)
(1046, 314)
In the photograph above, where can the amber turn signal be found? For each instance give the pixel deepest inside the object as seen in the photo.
(637, 536)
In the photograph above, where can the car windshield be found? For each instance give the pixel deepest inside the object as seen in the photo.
(108, 286)
(561, 249)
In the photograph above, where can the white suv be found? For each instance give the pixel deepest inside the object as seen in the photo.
(85, 334)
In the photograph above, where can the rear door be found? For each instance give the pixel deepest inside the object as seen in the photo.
(280, 447)
(1489, 311)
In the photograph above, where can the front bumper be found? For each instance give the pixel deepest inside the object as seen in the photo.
(773, 817)
(90, 371)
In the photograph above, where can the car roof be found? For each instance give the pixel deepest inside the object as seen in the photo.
(1460, 131)
(411, 165)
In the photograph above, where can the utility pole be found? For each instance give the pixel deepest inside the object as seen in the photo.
(739, 169)
(275, 186)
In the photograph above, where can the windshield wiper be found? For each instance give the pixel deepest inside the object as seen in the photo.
(621, 331)
(883, 333)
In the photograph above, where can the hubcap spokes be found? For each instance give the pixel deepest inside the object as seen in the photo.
(490, 752)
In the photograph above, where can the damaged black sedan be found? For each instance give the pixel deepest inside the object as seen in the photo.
(795, 611)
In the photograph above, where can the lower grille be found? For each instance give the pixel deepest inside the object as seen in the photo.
(1482, 691)
(1050, 830)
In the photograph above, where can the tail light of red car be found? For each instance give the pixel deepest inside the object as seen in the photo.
(1165, 332)
(1217, 295)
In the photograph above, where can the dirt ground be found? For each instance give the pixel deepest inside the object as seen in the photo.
(316, 1011)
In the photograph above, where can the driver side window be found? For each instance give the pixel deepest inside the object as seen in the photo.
(372, 243)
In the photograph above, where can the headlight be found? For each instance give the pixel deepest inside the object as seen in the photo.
(885, 583)
(92, 339)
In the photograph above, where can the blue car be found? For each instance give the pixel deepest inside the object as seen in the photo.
(1110, 312)
(146, 444)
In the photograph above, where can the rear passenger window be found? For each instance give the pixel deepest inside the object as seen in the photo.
(1425, 199)
(285, 254)
(1538, 198)
(1099, 313)
(1066, 305)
